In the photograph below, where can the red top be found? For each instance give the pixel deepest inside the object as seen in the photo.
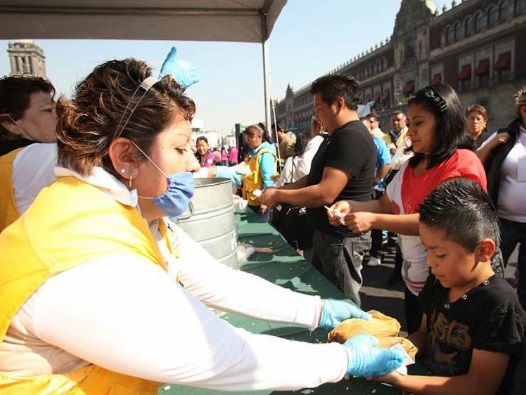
(463, 163)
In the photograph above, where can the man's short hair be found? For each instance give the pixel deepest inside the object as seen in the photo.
(397, 112)
(337, 85)
(479, 109)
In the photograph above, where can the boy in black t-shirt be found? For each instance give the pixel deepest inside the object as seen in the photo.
(472, 334)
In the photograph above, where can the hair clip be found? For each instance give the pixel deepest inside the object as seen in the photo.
(146, 85)
(520, 95)
(429, 93)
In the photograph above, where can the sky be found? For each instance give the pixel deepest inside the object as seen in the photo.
(310, 38)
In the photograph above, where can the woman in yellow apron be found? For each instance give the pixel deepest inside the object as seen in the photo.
(262, 161)
(89, 301)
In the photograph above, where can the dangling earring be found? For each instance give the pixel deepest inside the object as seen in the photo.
(130, 181)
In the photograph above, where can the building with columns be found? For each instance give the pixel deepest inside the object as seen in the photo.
(25, 57)
(476, 46)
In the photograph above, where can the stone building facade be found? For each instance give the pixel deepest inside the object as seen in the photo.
(25, 57)
(476, 46)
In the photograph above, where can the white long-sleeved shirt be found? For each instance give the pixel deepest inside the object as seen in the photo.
(310, 150)
(296, 167)
(512, 185)
(32, 171)
(128, 315)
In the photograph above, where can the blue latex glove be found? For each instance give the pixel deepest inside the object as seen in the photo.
(182, 71)
(368, 360)
(230, 172)
(335, 311)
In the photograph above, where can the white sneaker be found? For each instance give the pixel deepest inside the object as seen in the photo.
(374, 261)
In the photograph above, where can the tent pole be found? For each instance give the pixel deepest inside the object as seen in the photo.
(266, 68)
(266, 82)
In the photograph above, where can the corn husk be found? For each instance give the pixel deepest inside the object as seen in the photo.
(381, 326)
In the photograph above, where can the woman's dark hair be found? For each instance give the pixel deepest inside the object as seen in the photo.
(277, 127)
(450, 134)
(301, 142)
(111, 93)
(201, 138)
(15, 98)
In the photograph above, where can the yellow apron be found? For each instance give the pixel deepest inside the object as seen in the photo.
(8, 210)
(69, 223)
(252, 180)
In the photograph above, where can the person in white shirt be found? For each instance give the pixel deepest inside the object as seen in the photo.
(317, 134)
(112, 307)
(306, 147)
(27, 149)
(504, 157)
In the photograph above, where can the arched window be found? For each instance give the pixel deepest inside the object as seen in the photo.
(520, 6)
(477, 22)
(503, 11)
(493, 14)
(449, 35)
(468, 27)
(456, 31)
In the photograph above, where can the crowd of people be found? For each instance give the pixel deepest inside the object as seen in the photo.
(92, 254)
(442, 160)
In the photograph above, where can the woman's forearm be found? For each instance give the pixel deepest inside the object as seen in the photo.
(406, 224)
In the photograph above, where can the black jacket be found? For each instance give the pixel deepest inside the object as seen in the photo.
(494, 162)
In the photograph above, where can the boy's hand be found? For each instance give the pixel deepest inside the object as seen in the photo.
(389, 378)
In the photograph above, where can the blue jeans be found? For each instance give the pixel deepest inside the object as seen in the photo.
(376, 234)
(340, 259)
(511, 234)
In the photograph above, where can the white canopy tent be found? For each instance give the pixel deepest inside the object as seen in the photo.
(184, 20)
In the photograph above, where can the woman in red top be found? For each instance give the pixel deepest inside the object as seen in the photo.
(442, 150)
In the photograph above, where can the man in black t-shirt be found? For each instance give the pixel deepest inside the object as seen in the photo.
(343, 168)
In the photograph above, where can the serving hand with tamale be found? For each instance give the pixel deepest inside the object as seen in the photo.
(381, 326)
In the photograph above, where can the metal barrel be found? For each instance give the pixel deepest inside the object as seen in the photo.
(210, 220)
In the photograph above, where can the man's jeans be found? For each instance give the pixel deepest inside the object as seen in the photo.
(340, 259)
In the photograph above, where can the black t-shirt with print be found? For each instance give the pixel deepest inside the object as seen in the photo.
(351, 148)
(488, 317)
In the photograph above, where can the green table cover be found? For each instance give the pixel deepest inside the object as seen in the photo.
(286, 268)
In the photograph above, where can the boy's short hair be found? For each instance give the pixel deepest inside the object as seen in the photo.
(463, 210)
